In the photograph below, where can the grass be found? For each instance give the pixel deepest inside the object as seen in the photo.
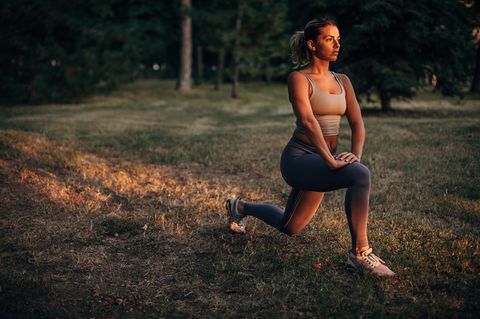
(114, 208)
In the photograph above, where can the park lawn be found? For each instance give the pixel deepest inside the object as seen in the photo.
(115, 208)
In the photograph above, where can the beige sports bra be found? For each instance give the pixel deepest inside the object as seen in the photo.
(327, 108)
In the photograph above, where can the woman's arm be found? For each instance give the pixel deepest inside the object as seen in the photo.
(299, 97)
(354, 117)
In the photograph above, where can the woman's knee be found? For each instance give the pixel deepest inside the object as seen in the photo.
(292, 231)
(361, 174)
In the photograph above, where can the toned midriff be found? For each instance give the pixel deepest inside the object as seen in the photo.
(330, 140)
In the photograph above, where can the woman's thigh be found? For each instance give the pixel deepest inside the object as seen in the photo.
(310, 172)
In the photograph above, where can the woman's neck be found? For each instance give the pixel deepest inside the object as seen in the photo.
(318, 66)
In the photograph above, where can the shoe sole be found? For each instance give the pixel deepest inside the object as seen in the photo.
(363, 271)
(352, 266)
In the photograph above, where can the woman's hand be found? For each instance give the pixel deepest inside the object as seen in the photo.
(336, 164)
(343, 159)
(347, 157)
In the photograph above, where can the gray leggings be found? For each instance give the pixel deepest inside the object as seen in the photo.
(310, 177)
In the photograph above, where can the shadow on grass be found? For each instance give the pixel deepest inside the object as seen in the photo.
(38, 279)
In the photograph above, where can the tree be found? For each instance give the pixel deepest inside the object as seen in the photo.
(199, 76)
(220, 67)
(265, 48)
(418, 35)
(216, 19)
(260, 37)
(236, 49)
(448, 47)
(250, 32)
(475, 86)
(474, 19)
(185, 76)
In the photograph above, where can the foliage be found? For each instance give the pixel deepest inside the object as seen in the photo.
(62, 51)
(263, 36)
(59, 51)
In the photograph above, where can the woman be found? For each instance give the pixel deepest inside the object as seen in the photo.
(309, 162)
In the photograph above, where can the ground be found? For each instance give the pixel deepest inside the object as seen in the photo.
(114, 208)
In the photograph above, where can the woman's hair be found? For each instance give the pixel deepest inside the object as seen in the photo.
(301, 55)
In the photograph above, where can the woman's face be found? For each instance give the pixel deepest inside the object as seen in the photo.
(327, 44)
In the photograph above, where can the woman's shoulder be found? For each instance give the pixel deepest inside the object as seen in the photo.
(296, 72)
(295, 76)
(344, 78)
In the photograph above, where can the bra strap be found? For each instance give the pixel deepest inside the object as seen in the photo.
(312, 83)
(339, 81)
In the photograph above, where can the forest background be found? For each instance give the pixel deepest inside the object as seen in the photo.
(63, 51)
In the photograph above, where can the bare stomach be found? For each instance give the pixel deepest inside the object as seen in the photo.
(330, 140)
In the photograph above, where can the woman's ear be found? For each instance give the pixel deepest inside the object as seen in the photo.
(311, 45)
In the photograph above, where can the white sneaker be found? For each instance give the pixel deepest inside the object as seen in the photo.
(368, 262)
(236, 221)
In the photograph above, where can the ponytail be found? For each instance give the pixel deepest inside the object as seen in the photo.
(301, 55)
(298, 46)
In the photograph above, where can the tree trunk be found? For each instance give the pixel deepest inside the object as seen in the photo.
(476, 76)
(236, 55)
(220, 66)
(385, 101)
(199, 64)
(185, 78)
(268, 72)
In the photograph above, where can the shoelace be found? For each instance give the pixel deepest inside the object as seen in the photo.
(371, 258)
